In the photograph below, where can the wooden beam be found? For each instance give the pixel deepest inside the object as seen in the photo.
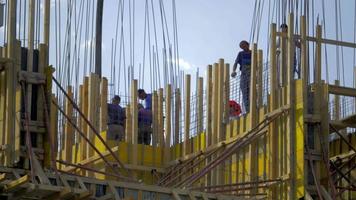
(104, 104)
(304, 59)
(209, 105)
(128, 127)
(11, 29)
(168, 120)
(84, 127)
(93, 110)
(186, 146)
(290, 120)
(13, 185)
(343, 91)
(154, 119)
(134, 114)
(209, 98)
(200, 106)
(68, 128)
(178, 105)
(160, 118)
(220, 118)
(253, 156)
(260, 78)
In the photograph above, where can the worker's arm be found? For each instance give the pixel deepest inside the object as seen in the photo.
(233, 74)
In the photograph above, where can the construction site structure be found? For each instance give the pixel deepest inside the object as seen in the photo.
(280, 149)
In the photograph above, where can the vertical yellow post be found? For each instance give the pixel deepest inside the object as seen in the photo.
(209, 98)
(337, 103)
(134, 114)
(104, 104)
(226, 112)
(209, 105)
(84, 126)
(283, 57)
(168, 120)
(177, 111)
(290, 137)
(215, 122)
(273, 133)
(186, 149)
(31, 34)
(93, 109)
(54, 125)
(220, 109)
(160, 118)
(128, 126)
(154, 119)
(303, 58)
(260, 78)
(46, 21)
(68, 128)
(226, 92)
(200, 105)
(11, 82)
(11, 29)
(17, 103)
(253, 116)
(2, 110)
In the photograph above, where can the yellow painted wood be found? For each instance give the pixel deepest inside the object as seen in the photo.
(103, 104)
(290, 136)
(84, 126)
(186, 148)
(177, 111)
(68, 128)
(168, 121)
(273, 104)
(160, 133)
(93, 110)
(252, 154)
(134, 115)
(209, 106)
(220, 117)
(155, 125)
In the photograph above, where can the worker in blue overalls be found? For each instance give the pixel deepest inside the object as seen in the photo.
(244, 60)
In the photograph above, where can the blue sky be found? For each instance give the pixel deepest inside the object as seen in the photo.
(207, 30)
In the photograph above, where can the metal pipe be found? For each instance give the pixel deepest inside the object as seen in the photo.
(98, 36)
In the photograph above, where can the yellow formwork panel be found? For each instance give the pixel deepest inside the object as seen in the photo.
(148, 156)
(202, 141)
(299, 141)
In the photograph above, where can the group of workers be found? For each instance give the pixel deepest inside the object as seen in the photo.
(117, 117)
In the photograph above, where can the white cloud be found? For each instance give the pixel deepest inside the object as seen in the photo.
(185, 65)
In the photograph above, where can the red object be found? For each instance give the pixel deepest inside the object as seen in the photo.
(235, 108)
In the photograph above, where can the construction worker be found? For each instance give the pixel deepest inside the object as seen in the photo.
(144, 125)
(147, 97)
(116, 120)
(280, 54)
(244, 60)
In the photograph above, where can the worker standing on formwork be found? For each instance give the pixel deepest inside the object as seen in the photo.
(147, 97)
(144, 125)
(281, 62)
(116, 120)
(244, 60)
